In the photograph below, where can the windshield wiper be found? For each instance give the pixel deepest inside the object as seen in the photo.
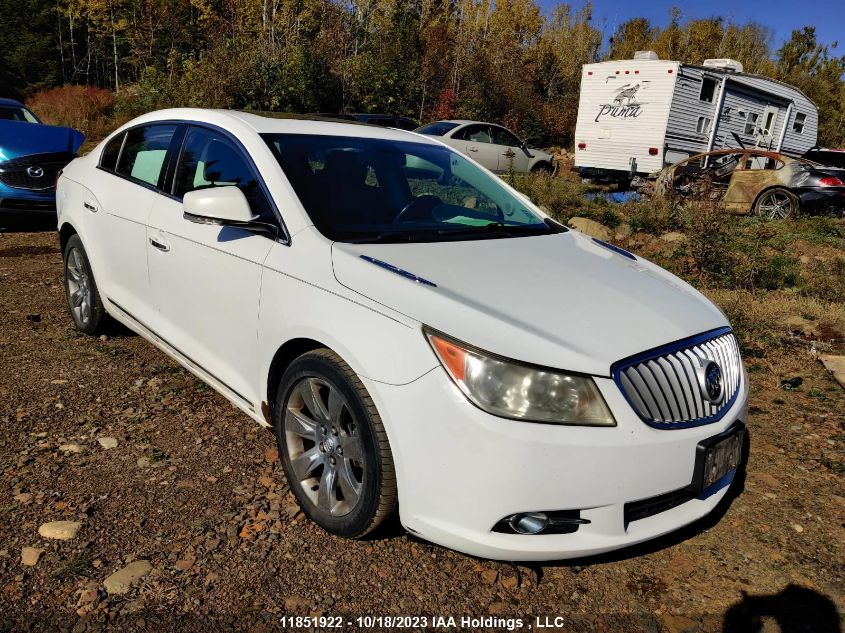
(496, 228)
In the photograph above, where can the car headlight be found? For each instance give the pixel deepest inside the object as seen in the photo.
(513, 390)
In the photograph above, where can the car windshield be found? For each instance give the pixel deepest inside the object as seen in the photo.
(379, 190)
(12, 113)
(436, 129)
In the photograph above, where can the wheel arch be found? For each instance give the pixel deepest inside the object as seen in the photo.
(288, 352)
(66, 231)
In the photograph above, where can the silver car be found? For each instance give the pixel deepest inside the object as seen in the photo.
(494, 147)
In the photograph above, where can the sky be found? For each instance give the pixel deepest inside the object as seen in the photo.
(781, 16)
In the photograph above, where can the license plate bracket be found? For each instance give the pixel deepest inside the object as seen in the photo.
(717, 456)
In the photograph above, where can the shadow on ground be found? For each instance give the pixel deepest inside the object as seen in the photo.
(20, 222)
(794, 610)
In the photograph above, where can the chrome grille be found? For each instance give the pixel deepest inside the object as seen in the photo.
(664, 388)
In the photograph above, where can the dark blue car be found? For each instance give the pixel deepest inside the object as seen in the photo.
(31, 154)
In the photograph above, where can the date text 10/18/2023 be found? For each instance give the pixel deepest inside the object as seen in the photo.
(420, 622)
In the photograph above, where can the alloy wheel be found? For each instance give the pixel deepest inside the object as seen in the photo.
(325, 449)
(775, 205)
(79, 286)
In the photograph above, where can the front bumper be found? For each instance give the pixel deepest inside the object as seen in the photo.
(13, 200)
(461, 470)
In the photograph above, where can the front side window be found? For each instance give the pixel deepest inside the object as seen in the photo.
(798, 123)
(751, 123)
(144, 151)
(209, 159)
(368, 190)
(12, 113)
(501, 136)
(708, 89)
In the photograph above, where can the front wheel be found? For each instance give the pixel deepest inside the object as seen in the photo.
(333, 445)
(83, 299)
(777, 204)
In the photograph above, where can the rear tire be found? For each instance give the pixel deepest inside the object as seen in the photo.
(777, 204)
(83, 298)
(543, 168)
(333, 446)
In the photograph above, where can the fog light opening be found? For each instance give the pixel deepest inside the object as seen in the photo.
(529, 522)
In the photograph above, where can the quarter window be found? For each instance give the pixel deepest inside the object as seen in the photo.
(708, 89)
(751, 123)
(703, 126)
(209, 159)
(144, 151)
(798, 123)
(108, 160)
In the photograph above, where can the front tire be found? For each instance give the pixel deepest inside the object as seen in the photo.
(333, 446)
(777, 204)
(83, 298)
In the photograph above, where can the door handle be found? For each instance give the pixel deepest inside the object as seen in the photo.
(473, 149)
(162, 246)
(90, 207)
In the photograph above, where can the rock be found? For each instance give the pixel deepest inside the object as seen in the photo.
(673, 236)
(678, 624)
(70, 448)
(836, 366)
(509, 582)
(24, 498)
(294, 604)
(591, 228)
(292, 510)
(30, 556)
(489, 576)
(271, 454)
(143, 462)
(107, 442)
(122, 580)
(184, 563)
(497, 608)
(797, 527)
(60, 530)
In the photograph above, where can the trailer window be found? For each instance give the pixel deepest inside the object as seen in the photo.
(798, 123)
(708, 89)
(703, 126)
(751, 123)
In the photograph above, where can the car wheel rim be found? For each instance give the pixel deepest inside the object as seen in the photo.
(79, 286)
(324, 446)
(775, 206)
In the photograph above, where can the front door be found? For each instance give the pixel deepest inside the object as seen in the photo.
(478, 145)
(205, 277)
(755, 173)
(767, 132)
(512, 156)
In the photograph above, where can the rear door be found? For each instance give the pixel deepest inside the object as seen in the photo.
(205, 277)
(131, 171)
(476, 141)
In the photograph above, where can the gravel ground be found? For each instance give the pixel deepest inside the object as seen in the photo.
(195, 488)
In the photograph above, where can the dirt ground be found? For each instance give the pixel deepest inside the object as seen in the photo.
(195, 488)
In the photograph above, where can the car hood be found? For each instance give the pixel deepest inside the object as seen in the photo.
(563, 301)
(18, 138)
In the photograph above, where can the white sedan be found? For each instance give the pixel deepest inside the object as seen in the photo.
(491, 146)
(418, 334)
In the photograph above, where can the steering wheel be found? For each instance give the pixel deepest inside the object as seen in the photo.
(418, 208)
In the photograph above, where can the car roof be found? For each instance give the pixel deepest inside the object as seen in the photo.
(10, 102)
(279, 123)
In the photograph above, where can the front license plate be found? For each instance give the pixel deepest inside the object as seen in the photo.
(722, 457)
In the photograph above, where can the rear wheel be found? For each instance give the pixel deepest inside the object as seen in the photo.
(777, 204)
(334, 448)
(543, 168)
(83, 299)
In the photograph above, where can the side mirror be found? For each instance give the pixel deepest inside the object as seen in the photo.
(217, 205)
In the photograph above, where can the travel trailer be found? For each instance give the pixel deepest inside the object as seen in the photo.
(638, 115)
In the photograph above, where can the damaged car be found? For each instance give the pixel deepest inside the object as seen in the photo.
(767, 184)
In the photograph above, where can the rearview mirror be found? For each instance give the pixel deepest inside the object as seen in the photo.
(217, 205)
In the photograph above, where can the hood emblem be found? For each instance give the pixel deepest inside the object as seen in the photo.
(710, 381)
(398, 271)
(35, 171)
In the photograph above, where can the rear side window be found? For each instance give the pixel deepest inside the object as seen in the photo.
(209, 159)
(108, 160)
(144, 151)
